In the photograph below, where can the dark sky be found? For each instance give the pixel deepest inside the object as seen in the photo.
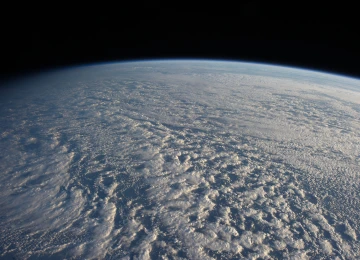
(262, 33)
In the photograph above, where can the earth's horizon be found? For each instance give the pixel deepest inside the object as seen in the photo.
(180, 159)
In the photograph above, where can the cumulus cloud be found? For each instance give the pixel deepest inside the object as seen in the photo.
(190, 160)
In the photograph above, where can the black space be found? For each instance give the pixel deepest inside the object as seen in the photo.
(259, 33)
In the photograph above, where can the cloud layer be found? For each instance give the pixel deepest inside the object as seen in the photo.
(180, 159)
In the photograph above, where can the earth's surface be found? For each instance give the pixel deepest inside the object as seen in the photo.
(180, 160)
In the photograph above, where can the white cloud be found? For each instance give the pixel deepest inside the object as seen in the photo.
(122, 163)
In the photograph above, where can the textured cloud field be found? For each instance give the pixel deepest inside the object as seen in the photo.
(180, 160)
